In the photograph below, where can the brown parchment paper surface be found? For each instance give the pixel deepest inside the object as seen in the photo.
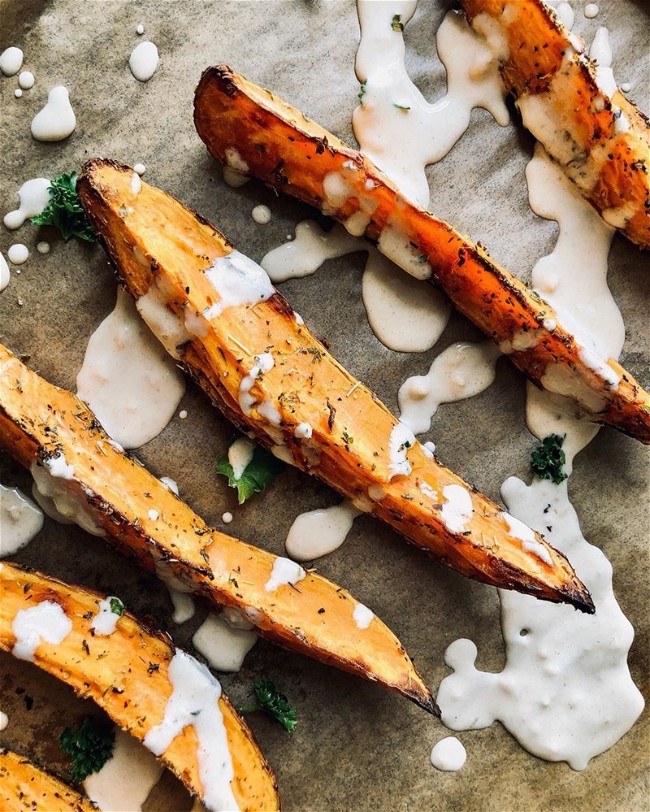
(356, 747)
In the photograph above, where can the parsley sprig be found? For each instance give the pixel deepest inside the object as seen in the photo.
(65, 211)
(258, 474)
(89, 747)
(273, 703)
(547, 460)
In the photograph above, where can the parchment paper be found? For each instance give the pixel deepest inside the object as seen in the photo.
(356, 747)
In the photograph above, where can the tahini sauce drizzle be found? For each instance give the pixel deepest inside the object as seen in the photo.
(565, 693)
(404, 314)
(20, 520)
(195, 702)
(126, 779)
(394, 124)
(127, 378)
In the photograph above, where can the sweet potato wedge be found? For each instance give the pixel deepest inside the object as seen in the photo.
(54, 434)
(248, 128)
(24, 787)
(127, 673)
(599, 138)
(263, 368)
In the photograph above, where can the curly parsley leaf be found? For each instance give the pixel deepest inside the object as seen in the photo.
(89, 747)
(117, 607)
(65, 211)
(397, 24)
(258, 474)
(273, 703)
(547, 460)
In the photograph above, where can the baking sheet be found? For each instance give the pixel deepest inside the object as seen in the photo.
(356, 746)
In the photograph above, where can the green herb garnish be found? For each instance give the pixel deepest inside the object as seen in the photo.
(547, 459)
(397, 24)
(89, 747)
(117, 607)
(65, 211)
(258, 474)
(401, 106)
(273, 703)
(362, 91)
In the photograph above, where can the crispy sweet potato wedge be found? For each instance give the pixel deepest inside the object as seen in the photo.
(599, 137)
(248, 128)
(120, 499)
(127, 674)
(24, 787)
(264, 369)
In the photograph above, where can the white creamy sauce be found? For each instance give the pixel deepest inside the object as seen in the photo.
(238, 281)
(5, 275)
(400, 440)
(18, 92)
(139, 168)
(144, 60)
(591, 11)
(126, 779)
(127, 378)
(222, 644)
(105, 620)
(168, 328)
(46, 621)
(240, 454)
(320, 532)
(362, 616)
(285, 572)
(170, 484)
(457, 508)
(308, 251)
(34, 197)
(11, 61)
(20, 521)
(394, 124)
(405, 315)
(18, 254)
(263, 363)
(601, 51)
(448, 755)
(179, 593)
(194, 702)
(136, 183)
(26, 80)
(43, 247)
(519, 530)
(4, 720)
(56, 121)
(565, 693)
(461, 371)
(56, 499)
(261, 215)
(227, 517)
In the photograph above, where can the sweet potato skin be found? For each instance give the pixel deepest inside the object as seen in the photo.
(125, 673)
(610, 166)
(39, 420)
(160, 245)
(24, 787)
(291, 153)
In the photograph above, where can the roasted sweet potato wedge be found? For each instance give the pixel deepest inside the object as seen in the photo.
(217, 312)
(72, 459)
(248, 128)
(24, 787)
(132, 674)
(599, 137)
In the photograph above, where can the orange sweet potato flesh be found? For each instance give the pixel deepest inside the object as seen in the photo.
(125, 673)
(291, 153)
(579, 129)
(160, 247)
(39, 420)
(24, 787)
